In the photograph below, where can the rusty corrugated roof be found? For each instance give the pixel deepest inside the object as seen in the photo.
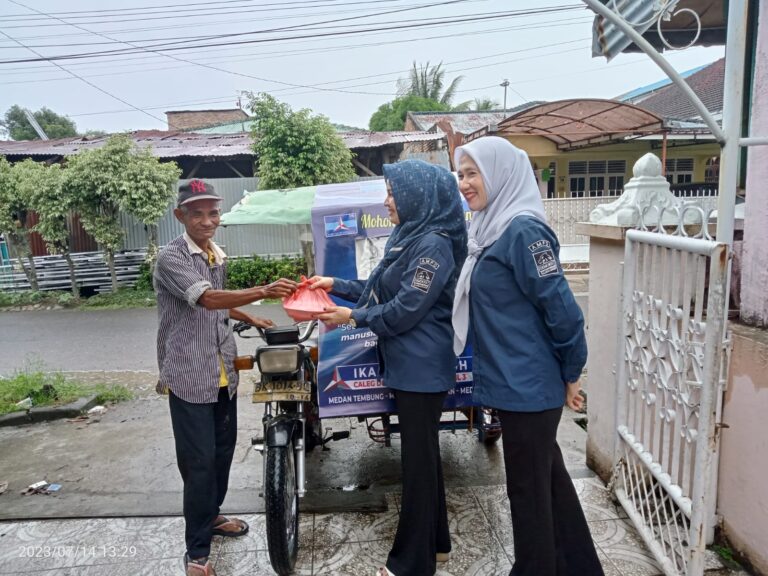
(583, 122)
(174, 144)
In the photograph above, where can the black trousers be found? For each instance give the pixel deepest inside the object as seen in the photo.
(423, 527)
(205, 437)
(551, 534)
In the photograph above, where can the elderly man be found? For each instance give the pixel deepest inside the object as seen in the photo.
(195, 352)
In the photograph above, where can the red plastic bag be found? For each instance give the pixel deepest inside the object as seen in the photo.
(306, 304)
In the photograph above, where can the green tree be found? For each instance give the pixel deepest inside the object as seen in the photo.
(116, 177)
(14, 221)
(391, 116)
(40, 186)
(296, 148)
(485, 104)
(429, 82)
(54, 125)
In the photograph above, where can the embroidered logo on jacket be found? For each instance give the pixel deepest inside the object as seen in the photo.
(429, 262)
(539, 244)
(546, 263)
(422, 280)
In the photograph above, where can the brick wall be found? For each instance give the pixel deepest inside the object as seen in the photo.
(193, 119)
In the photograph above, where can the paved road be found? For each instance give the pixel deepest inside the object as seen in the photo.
(75, 340)
(80, 340)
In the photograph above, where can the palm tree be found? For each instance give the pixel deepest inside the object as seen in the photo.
(485, 104)
(428, 81)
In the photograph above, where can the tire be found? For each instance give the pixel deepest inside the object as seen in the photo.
(486, 436)
(282, 509)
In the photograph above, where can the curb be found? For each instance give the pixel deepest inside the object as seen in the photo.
(47, 413)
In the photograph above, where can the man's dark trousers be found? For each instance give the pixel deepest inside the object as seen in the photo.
(205, 437)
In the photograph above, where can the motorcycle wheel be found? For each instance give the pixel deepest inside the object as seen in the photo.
(486, 436)
(282, 509)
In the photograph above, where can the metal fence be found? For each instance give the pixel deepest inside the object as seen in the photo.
(564, 213)
(267, 240)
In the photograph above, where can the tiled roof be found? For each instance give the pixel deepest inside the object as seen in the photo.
(466, 122)
(671, 103)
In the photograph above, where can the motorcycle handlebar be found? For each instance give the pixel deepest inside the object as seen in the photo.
(242, 327)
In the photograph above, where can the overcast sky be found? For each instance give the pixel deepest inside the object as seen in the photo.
(545, 56)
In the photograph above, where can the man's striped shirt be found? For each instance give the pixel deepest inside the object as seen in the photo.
(191, 339)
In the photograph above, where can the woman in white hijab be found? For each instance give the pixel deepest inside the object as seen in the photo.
(516, 309)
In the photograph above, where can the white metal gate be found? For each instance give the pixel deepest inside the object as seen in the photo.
(670, 382)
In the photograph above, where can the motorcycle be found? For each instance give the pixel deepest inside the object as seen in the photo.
(292, 427)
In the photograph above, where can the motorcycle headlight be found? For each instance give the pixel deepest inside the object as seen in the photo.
(275, 360)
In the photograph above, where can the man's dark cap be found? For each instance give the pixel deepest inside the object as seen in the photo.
(195, 190)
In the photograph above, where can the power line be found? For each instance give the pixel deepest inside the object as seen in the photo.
(91, 84)
(399, 27)
(236, 52)
(262, 55)
(171, 27)
(208, 66)
(170, 16)
(189, 7)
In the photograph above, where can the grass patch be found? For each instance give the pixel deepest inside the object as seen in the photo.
(125, 298)
(28, 298)
(728, 556)
(53, 388)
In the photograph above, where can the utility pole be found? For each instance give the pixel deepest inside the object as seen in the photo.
(505, 84)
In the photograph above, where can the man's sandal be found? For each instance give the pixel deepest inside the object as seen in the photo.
(441, 557)
(230, 527)
(195, 568)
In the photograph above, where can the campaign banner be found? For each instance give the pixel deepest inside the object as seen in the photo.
(350, 226)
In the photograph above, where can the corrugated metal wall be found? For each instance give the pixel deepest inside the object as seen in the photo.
(237, 240)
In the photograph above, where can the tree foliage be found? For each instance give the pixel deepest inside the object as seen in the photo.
(429, 82)
(116, 177)
(54, 125)
(391, 116)
(40, 186)
(296, 148)
(14, 219)
(485, 104)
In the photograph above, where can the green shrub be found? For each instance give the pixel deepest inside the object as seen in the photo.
(258, 271)
(66, 299)
(28, 298)
(144, 281)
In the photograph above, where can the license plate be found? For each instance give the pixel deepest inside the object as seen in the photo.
(282, 391)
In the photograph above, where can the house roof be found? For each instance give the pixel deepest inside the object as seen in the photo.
(671, 103)
(582, 122)
(637, 95)
(165, 144)
(609, 41)
(175, 144)
(245, 125)
(465, 122)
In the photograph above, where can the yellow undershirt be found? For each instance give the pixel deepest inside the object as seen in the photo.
(223, 380)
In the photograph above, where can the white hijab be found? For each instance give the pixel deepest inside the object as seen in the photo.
(512, 191)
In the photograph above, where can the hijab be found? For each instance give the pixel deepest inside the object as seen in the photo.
(512, 191)
(427, 199)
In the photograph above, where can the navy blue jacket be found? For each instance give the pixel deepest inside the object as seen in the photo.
(413, 317)
(527, 330)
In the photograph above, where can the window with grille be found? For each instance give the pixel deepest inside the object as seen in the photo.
(679, 170)
(596, 178)
(712, 170)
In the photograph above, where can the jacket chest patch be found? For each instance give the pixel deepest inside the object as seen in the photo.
(422, 279)
(546, 264)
